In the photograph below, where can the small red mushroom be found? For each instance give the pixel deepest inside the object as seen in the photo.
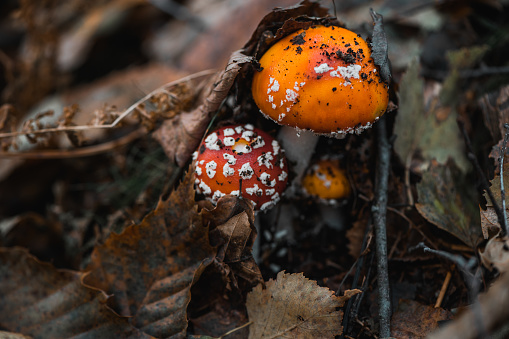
(241, 153)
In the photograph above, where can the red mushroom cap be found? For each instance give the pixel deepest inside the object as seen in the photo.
(238, 153)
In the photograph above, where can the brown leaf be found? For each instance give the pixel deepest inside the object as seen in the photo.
(495, 111)
(489, 222)
(180, 136)
(492, 309)
(239, 236)
(150, 267)
(414, 320)
(489, 218)
(234, 232)
(294, 306)
(38, 300)
(12, 335)
(444, 200)
(496, 254)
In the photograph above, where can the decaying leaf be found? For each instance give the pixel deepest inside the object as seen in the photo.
(294, 306)
(495, 111)
(431, 132)
(492, 310)
(238, 235)
(151, 266)
(38, 300)
(489, 222)
(414, 320)
(445, 201)
(179, 137)
(496, 254)
(489, 218)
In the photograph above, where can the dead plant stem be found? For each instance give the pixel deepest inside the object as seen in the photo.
(379, 210)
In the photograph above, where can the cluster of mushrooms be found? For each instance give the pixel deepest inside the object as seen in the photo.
(316, 81)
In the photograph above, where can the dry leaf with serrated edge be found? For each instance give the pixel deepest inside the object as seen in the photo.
(294, 306)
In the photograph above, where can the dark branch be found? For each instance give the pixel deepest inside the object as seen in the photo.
(379, 210)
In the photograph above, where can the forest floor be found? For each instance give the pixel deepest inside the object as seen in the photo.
(104, 235)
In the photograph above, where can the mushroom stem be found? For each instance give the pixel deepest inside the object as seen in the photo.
(299, 147)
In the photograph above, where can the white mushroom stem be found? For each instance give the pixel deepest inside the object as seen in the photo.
(299, 147)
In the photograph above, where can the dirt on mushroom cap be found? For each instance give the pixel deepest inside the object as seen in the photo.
(322, 79)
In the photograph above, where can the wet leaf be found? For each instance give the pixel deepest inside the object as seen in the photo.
(151, 266)
(38, 300)
(414, 320)
(445, 201)
(294, 306)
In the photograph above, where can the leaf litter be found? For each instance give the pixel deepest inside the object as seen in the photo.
(166, 263)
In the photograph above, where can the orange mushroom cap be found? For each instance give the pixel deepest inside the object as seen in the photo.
(322, 79)
(326, 180)
(238, 153)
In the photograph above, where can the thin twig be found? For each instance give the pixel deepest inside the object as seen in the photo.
(503, 225)
(379, 210)
(360, 264)
(118, 119)
(445, 285)
(78, 152)
(472, 277)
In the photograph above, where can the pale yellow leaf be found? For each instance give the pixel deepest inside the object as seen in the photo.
(293, 306)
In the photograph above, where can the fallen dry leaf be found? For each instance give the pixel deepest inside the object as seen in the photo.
(294, 306)
(444, 200)
(489, 218)
(38, 300)
(492, 312)
(180, 136)
(495, 111)
(414, 320)
(150, 267)
(496, 254)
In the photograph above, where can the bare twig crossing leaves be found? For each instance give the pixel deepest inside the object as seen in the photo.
(294, 306)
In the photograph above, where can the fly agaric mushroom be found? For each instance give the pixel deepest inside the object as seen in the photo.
(241, 155)
(326, 181)
(323, 80)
